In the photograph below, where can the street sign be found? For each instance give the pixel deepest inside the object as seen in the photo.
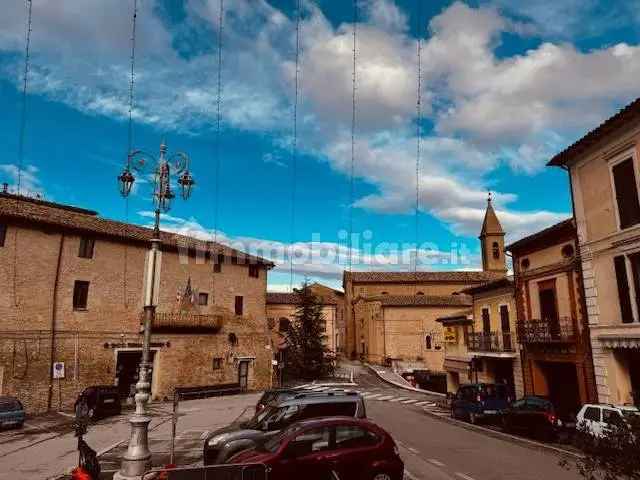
(58, 369)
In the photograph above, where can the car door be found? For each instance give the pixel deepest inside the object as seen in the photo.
(592, 421)
(355, 448)
(307, 452)
(517, 414)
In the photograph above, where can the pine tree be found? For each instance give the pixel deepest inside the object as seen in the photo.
(308, 357)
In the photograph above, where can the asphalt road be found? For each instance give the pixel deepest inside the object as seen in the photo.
(434, 449)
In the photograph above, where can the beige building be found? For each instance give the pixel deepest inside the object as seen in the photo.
(391, 316)
(604, 171)
(281, 310)
(71, 287)
(552, 321)
(480, 342)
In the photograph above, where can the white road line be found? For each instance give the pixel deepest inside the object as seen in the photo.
(406, 402)
(464, 476)
(204, 434)
(370, 396)
(422, 403)
(435, 462)
(414, 450)
(385, 398)
(398, 399)
(428, 405)
(409, 476)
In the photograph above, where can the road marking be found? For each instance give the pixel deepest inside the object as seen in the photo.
(406, 402)
(464, 476)
(385, 398)
(398, 399)
(409, 476)
(437, 463)
(414, 450)
(204, 435)
(65, 414)
(422, 403)
(370, 396)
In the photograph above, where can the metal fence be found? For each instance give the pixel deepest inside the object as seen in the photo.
(547, 331)
(491, 342)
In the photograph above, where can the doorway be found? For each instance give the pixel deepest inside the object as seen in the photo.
(127, 371)
(564, 392)
(243, 374)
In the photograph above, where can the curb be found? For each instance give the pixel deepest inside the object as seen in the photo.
(405, 387)
(505, 436)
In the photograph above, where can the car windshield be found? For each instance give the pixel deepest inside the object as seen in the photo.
(631, 414)
(259, 418)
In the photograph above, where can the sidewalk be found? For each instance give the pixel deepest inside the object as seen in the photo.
(388, 375)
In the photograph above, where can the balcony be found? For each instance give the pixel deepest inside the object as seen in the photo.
(183, 322)
(547, 331)
(498, 342)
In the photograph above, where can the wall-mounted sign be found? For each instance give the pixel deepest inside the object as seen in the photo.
(58, 370)
(450, 335)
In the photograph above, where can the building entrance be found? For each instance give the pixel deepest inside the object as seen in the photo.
(127, 370)
(562, 381)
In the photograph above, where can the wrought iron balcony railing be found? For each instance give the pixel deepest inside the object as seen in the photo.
(183, 322)
(561, 330)
(491, 342)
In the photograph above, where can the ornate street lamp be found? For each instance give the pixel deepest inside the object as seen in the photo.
(137, 458)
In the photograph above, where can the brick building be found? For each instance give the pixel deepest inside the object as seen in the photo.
(552, 320)
(71, 294)
(281, 309)
(391, 316)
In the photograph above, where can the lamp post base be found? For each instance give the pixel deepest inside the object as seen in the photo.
(137, 459)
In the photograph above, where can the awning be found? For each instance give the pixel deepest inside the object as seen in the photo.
(462, 365)
(620, 340)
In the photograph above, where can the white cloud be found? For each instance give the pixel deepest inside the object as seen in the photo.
(22, 180)
(485, 109)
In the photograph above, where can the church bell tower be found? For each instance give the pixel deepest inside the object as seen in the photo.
(492, 242)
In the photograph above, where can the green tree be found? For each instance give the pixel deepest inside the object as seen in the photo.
(307, 356)
(613, 456)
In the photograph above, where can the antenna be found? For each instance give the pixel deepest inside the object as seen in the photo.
(353, 131)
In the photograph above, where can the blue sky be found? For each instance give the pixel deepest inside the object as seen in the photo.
(505, 85)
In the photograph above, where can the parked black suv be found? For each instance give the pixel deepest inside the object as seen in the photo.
(102, 401)
(226, 442)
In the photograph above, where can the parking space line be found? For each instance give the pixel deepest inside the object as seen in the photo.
(414, 450)
(464, 476)
(204, 435)
(398, 399)
(385, 398)
(407, 402)
(370, 396)
(435, 462)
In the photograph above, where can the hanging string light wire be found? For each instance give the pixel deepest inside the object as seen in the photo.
(21, 140)
(354, 79)
(418, 144)
(216, 189)
(132, 79)
(294, 150)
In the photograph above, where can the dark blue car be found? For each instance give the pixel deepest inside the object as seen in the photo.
(11, 412)
(477, 401)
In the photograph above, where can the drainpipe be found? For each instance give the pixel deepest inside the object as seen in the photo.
(384, 337)
(54, 311)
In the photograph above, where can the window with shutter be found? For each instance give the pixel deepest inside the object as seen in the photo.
(3, 234)
(635, 270)
(80, 295)
(624, 180)
(624, 294)
(217, 266)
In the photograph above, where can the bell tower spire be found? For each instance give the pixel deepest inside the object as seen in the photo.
(492, 241)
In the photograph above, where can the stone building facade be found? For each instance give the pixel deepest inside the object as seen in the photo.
(281, 308)
(552, 323)
(604, 170)
(481, 342)
(391, 316)
(71, 287)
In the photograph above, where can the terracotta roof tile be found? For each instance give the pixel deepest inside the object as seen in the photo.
(549, 232)
(421, 300)
(410, 277)
(72, 218)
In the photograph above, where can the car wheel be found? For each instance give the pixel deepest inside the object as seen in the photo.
(91, 414)
(381, 476)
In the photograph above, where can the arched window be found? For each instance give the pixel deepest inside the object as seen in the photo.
(568, 251)
(526, 263)
(427, 342)
(496, 250)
